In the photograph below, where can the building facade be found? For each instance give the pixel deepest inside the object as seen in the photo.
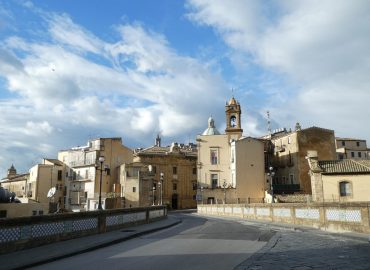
(287, 159)
(83, 170)
(344, 180)
(230, 167)
(45, 176)
(349, 148)
(17, 183)
(161, 175)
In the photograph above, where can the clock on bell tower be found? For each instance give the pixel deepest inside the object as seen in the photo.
(233, 113)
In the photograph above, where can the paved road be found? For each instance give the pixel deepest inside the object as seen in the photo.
(197, 243)
(305, 249)
(212, 243)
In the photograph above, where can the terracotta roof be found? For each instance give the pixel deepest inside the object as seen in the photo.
(344, 166)
(15, 178)
(350, 139)
(160, 150)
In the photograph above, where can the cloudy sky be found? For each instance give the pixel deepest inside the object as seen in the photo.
(75, 70)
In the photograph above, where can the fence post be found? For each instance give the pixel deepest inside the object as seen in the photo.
(147, 215)
(102, 217)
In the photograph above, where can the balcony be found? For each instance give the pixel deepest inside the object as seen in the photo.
(279, 148)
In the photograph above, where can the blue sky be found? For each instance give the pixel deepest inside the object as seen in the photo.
(74, 70)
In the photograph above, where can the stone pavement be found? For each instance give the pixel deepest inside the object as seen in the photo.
(303, 248)
(35, 256)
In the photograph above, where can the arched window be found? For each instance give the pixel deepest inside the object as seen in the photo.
(345, 188)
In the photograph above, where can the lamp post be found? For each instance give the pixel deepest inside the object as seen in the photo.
(153, 188)
(201, 193)
(224, 186)
(106, 169)
(161, 188)
(271, 174)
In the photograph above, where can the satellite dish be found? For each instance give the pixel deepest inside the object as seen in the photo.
(51, 192)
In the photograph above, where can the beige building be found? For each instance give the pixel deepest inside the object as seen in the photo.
(344, 180)
(230, 167)
(16, 183)
(349, 148)
(45, 176)
(12, 210)
(287, 156)
(161, 175)
(84, 169)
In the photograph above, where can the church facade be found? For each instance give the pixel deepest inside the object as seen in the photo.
(230, 166)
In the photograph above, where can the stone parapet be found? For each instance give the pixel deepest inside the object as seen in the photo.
(27, 232)
(338, 217)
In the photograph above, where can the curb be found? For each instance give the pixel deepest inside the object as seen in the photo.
(102, 245)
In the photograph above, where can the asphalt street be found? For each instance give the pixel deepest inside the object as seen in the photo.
(201, 242)
(196, 243)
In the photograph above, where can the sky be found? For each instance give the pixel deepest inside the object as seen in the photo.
(71, 70)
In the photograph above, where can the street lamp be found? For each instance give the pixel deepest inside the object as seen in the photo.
(160, 184)
(106, 169)
(271, 174)
(224, 185)
(201, 193)
(153, 193)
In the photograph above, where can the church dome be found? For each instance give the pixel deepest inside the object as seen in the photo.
(211, 130)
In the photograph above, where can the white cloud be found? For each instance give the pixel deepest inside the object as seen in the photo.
(132, 88)
(321, 47)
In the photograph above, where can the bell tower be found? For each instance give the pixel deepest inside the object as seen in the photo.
(233, 118)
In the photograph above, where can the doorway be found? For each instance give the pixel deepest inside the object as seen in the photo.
(174, 201)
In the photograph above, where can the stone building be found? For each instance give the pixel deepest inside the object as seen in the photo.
(345, 180)
(84, 168)
(16, 183)
(230, 167)
(142, 184)
(287, 156)
(350, 148)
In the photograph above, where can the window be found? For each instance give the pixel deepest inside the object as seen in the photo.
(359, 154)
(174, 170)
(358, 144)
(2, 213)
(343, 143)
(86, 174)
(214, 156)
(289, 140)
(194, 170)
(59, 175)
(154, 169)
(291, 178)
(232, 155)
(195, 185)
(352, 154)
(345, 188)
(133, 189)
(214, 180)
(174, 186)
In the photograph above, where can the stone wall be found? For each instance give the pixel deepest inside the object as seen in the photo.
(329, 216)
(26, 232)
